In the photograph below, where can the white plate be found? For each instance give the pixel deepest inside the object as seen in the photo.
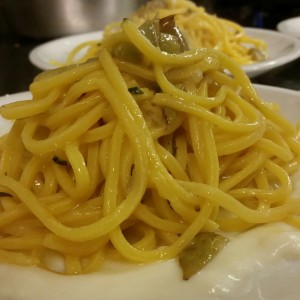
(281, 50)
(290, 26)
(263, 263)
(58, 49)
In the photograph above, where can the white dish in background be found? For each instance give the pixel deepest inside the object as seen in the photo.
(290, 26)
(43, 55)
(263, 263)
(282, 49)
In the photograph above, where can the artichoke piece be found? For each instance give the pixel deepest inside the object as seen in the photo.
(150, 29)
(126, 51)
(164, 33)
(169, 43)
(168, 28)
(257, 55)
(203, 248)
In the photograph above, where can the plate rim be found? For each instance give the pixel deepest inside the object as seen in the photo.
(34, 53)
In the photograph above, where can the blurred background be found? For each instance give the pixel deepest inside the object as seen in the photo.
(255, 13)
(24, 24)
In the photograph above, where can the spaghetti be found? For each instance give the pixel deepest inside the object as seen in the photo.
(200, 28)
(134, 154)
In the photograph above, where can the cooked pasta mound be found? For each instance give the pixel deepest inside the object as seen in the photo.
(200, 28)
(135, 152)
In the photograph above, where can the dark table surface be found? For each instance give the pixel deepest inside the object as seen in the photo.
(17, 72)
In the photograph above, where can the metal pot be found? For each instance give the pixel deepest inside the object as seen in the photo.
(44, 19)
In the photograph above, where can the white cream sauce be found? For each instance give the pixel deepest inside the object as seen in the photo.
(263, 263)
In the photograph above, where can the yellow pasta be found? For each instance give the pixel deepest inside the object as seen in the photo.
(131, 156)
(200, 28)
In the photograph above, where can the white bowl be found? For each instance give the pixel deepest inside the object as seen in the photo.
(290, 26)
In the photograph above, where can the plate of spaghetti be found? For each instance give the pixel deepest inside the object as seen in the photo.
(152, 171)
(256, 50)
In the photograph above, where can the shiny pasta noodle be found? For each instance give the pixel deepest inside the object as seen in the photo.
(112, 157)
(200, 28)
